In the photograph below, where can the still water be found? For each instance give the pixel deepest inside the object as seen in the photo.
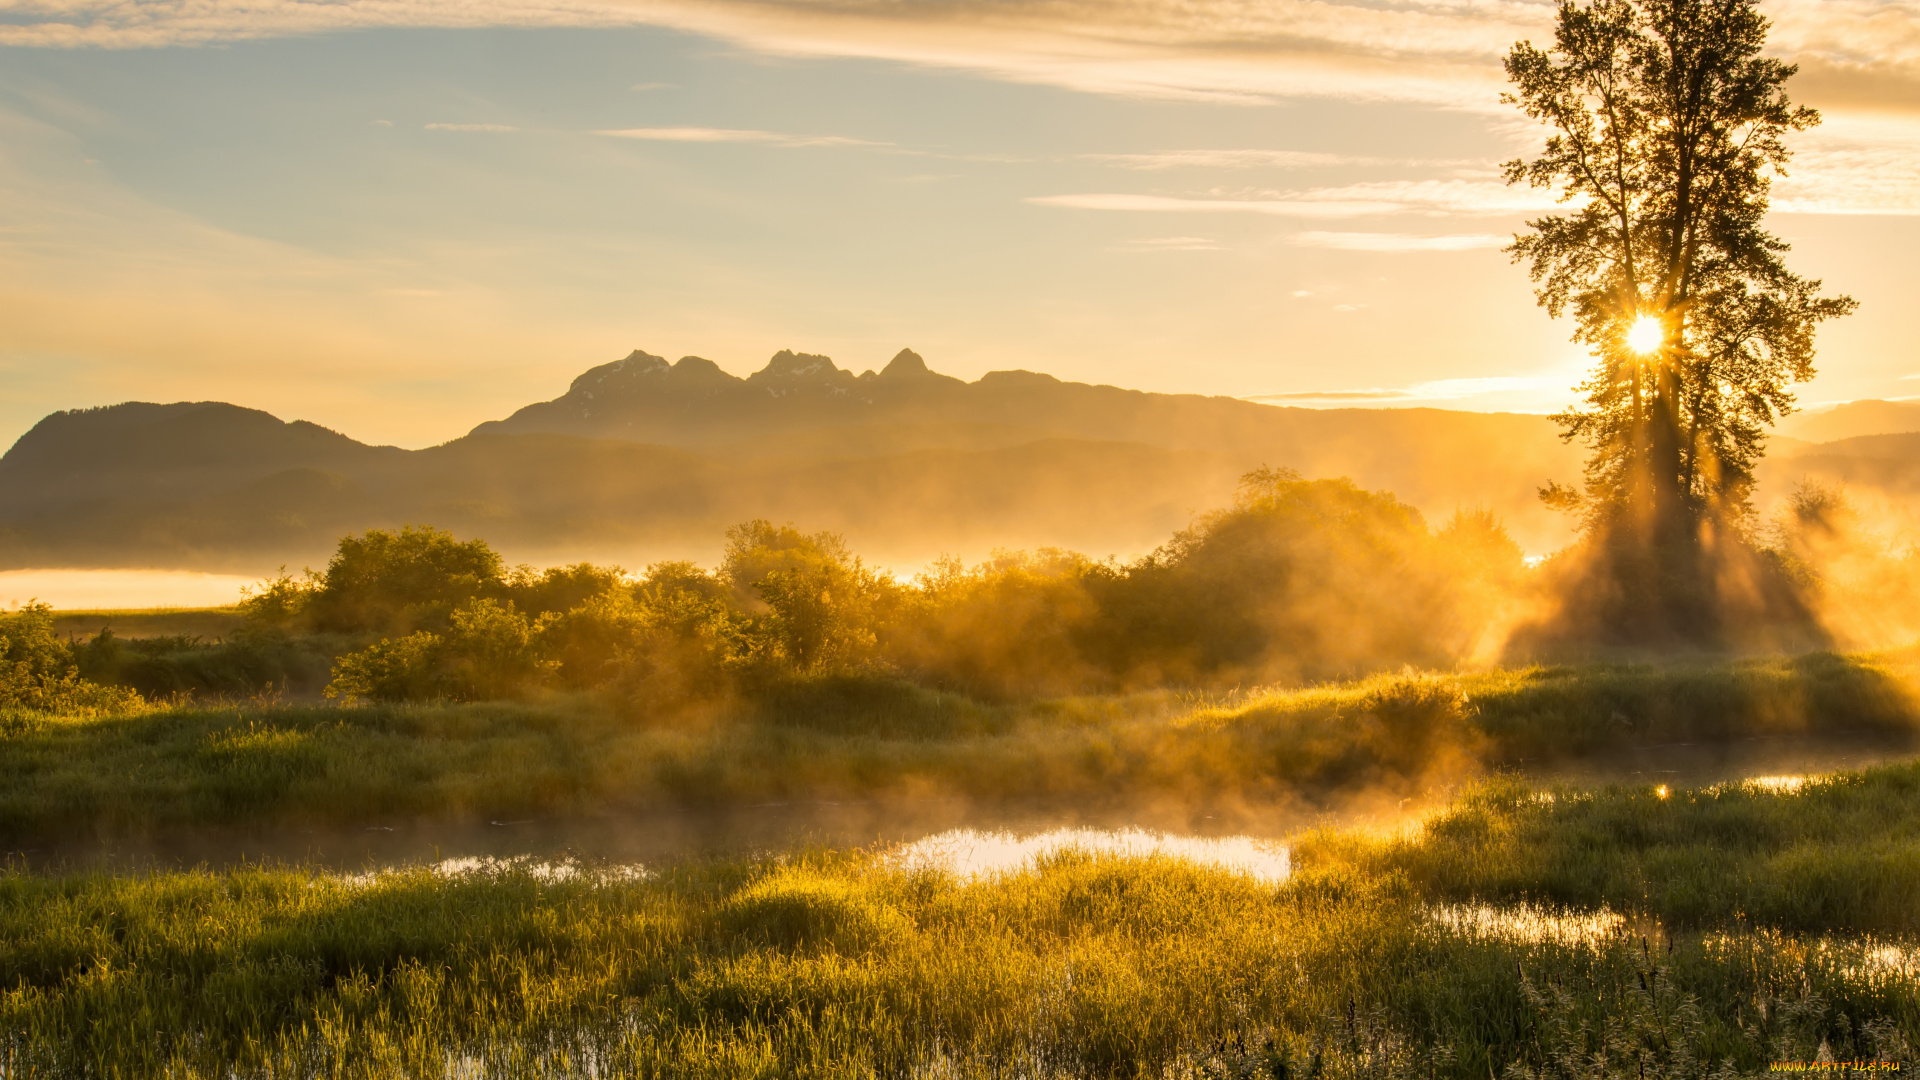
(69, 590)
(970, 838)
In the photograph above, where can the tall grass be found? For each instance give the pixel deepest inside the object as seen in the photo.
(834, 737)
(831, 964)
(1839, 852)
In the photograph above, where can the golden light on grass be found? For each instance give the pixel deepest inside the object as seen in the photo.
(1646, 335)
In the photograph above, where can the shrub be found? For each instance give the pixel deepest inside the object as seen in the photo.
(562, 588)
(388, 583)
(37, 671)
(1006, 627)
(490, 650)
(1299, 579)
(822, 605)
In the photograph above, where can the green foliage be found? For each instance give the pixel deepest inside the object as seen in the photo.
(389, 582)
(822, 603)
(674, 641)
(1828, 854)
(37, 670)
(280, 601)
(861, 736)
(247, 662)
(839, 964)
(489, 651)
(1007, 628)
(1667, 123)
(562, 588)
(1301, 578)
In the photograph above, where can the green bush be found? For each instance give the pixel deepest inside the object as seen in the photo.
(822, 606)
(490, 650)
(37, 670)
(414, 579)
(1300, 579)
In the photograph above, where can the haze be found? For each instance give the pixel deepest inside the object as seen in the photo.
(399, 219)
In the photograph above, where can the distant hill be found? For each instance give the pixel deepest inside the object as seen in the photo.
(1854, 419)
(642, 459)
(1887, 464)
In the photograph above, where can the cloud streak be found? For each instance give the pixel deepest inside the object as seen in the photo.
(1426, 50)
(1396, 242)
(1374, 199)
(1170, 243)
(1232, 159)
(1855, 54)
(731, 135)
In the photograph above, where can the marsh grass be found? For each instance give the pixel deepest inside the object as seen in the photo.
(1838, 852)
(1519, 931)
(840, 964)
(263, 763)
(136, 623)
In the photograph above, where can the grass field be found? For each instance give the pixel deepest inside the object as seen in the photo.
(1520, 929)
(261, 763)
(1368, 962)
(206, 623)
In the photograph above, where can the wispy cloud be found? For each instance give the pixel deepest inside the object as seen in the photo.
(1860, 60)
(1859, 54)
(1430, 197)
(1170, 243)
(1163, 204)
(1231, 159)
(1371, 241)
(1426, 50)
(491, 128)
(1854, 165)
(732, 135)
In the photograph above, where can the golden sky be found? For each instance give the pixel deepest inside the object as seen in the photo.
(399, 217)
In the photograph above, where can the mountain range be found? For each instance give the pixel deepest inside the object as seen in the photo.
(643, 459)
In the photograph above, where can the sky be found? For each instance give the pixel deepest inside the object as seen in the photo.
(399, 218)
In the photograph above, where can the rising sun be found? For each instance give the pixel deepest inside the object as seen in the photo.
(1645, 335)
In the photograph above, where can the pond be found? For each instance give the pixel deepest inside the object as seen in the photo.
(970, 836)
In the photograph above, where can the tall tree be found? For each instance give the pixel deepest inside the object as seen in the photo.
(1667, 127)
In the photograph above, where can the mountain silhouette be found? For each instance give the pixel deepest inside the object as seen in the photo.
(1852, 420)
(642, 459)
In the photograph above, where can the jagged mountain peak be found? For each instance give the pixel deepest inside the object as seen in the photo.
(790, 373)
(906, 364)
(787, 364)
(617, 376)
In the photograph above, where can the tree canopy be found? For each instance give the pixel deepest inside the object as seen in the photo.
(1667, 127)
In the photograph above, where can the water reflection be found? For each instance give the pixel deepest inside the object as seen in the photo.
(1224, 836)
(484, 866)
(1526, 924)
(973, 853)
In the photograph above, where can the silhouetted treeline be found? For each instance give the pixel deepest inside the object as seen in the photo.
(1299, 579)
